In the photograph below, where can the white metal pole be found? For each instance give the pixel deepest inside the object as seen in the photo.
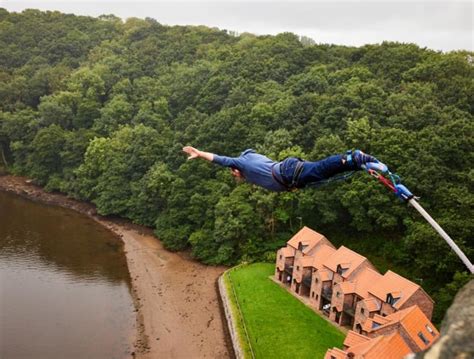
(443, 234)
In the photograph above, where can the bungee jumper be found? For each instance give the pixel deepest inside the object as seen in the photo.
(294, 173)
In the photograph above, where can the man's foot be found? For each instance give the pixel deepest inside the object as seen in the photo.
(364, 161)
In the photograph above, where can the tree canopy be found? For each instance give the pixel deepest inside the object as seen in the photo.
(99, 108)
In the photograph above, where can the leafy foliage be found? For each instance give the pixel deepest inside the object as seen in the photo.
(99, 108)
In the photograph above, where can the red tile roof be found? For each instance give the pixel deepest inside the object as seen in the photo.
(362, 348)
(385, 346)
(347, 287)
(325, 275)
(359, 283)
(345, 257)
(307, 237)
(335, 353)
(288, 252)
(321, 253)
(390, 346)
(376, 322)
(396, 285)
(372, 304)
(414, 321)
(354, 338)
(364, 279)
(307, 261)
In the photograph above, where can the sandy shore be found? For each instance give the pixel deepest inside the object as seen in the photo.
(178, 309)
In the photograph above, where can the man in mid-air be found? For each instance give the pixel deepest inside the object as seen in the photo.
(291, 173)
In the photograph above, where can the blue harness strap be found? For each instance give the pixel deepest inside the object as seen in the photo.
(349, 157)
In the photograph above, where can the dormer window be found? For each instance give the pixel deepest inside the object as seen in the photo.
(391, 300)
(375, 325)
(341, 270)
(301, 246)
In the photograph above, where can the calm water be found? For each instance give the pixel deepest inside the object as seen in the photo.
(64, 285)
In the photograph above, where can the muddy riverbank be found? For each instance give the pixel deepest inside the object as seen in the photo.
(178, 311)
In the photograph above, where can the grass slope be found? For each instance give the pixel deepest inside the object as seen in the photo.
(279, 325)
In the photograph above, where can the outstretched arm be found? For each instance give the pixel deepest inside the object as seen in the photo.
(220, 160)
(195, 153)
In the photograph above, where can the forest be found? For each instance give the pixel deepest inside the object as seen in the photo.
(100, 108)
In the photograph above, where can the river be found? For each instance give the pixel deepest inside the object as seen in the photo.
(65, 290)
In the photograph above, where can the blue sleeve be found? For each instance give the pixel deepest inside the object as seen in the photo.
(226, 161)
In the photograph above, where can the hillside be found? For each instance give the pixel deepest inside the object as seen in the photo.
(99, 108)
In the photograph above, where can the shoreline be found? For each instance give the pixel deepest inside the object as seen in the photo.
(176, 298)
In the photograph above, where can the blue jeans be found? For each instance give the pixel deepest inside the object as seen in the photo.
(311, 172)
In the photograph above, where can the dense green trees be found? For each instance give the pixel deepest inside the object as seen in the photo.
(99, 109)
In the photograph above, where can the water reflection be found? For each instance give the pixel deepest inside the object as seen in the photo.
(64, 285)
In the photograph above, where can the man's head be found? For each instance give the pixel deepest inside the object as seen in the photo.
(237, 174)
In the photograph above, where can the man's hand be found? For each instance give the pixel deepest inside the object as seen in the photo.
(192, 152)
(195, 153)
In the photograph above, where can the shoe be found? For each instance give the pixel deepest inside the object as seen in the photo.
(363, 161)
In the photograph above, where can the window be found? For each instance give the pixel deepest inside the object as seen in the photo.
(281, 256)
(391, 300)
(301, 246)
(341, 270)
(423, 339)
(361, 310)
(297, 267)
(316, 281)
(317, 296)
(338, 294)
(428, 328)
(375, 325)
(312, 294)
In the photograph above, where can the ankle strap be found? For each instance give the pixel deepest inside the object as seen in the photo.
(349, 157)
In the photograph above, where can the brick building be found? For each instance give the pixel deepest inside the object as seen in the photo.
(347, 295)
(386, 347)
(389, 314)
(342, 265)
(307, 266)
(298, 252)
(389, 294)
(394, 336)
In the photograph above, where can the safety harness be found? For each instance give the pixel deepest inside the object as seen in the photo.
(293, 186)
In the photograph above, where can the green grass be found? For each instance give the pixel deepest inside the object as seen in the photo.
(279, 325)
(238, 319)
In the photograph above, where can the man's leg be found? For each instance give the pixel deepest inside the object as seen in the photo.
(336, 164)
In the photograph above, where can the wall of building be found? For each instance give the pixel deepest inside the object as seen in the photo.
(422, 300)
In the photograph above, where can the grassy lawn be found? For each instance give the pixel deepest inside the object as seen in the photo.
(279, 325)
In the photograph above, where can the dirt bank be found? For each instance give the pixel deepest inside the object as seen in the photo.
(178, 312)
